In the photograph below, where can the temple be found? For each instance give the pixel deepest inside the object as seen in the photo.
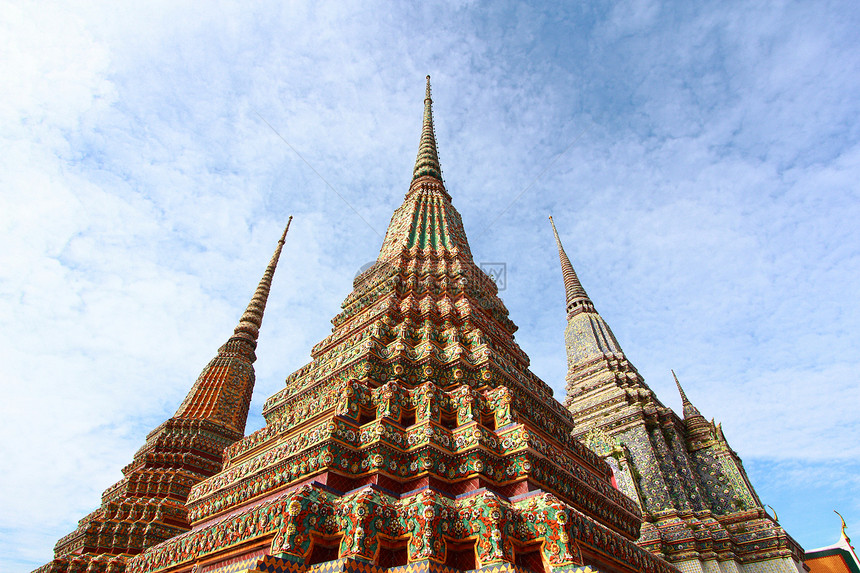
(701, 511)
(418, 439)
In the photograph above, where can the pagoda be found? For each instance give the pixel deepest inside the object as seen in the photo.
(701, 511)
(147, 506)
(416, 439)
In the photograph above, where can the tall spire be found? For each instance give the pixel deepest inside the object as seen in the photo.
(427, 162)
(148, 505)
(249, 325)
(222, 392)
(426, 221)
(689, 409)
(576, 297)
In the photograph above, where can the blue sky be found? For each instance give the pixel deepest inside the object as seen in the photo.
(701, 162)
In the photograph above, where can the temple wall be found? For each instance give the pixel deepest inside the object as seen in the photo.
(711, 566)
(690, 566)
(781, 565)
(731, 566)
(654, 491)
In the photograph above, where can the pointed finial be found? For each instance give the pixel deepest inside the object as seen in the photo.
(427, 162)
(689, 409)
(575, 295)
(249, 325)
(775, 516)
(844, 535)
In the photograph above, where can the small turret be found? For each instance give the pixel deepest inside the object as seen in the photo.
(698, 428)
(688, 408)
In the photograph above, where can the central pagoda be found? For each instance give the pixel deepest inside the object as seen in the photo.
(416, 438)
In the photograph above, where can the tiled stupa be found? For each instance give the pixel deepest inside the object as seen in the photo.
(147, 506)
(701, 511)
(416, 439)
